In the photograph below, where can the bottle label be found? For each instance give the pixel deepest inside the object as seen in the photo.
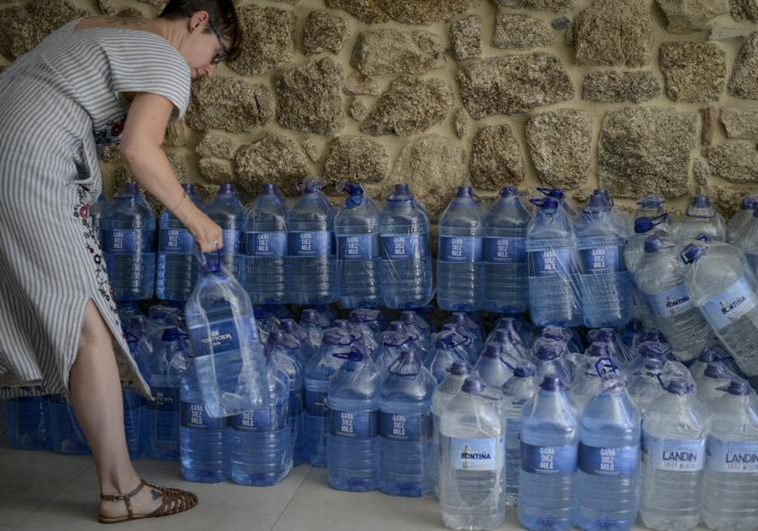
(194, 416)
(730, 305)
(411, 428)
(354, 425)
(316, 403)
(358, 247)
(601, 260)
(505, 250)
(316, 243)
(732, 456)
(513, 434)
(128, 241)
(266, 244)
(550, 262)
(548, 459)
(165, 399)
(178, 241)
(670, 303)
(402, 247)
(686, 455)
(232, 242)
(612, 462)
(462, 249)
(477, 455)
(272, 418)
(220, 336)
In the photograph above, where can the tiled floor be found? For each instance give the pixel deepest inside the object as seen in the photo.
(50, 492)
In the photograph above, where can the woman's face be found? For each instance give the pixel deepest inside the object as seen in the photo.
(202, 47)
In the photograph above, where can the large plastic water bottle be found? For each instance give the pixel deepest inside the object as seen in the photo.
(310, 248)
(353, 440)
(391, 343)
(370, 324)
(133, 406)
(549, 457)
(471, 324)
(227, 212)
(292, 328)
(284, 351)
(618, 353)
(740, 220)
(605, 284)
(634, 249)
(552, 264)
(717, 284)
(646, 386)
(591, 371)
(560, 196)
(713, 384)
(449, 347)
(26, 420)
(260, 440)
(129, 244)
(673, 455)
(162, 414)
(660, 278)
(651, 206)
(517, 392)
(459, 255)
(65, 434)
(550, 357)
(416, 324)
(700, 218)
(97, 212)
(472, 461)
(504, 272)
(491, 369)
(359, 260)
(731, 475)
(314, 323)
(707, 356)
(228, 355)
(406, 276)
(608, 455)
(266, 248)
(407, 456)
(203, 439)
(318, 373)
(177, 265)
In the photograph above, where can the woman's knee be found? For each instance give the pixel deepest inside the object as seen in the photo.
(95, 332)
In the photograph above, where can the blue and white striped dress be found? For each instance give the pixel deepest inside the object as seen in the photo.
(57, 103)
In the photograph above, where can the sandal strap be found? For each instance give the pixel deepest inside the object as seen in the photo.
(174, 501)
(126, 498)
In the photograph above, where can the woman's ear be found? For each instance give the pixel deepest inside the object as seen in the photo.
(198, 21)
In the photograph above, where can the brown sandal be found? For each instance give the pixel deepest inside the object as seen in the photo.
(173, 501)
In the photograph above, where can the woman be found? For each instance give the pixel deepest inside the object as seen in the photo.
(94, 81)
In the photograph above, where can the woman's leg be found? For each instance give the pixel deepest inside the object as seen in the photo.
(98, 404)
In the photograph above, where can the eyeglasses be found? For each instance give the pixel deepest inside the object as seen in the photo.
(225, 51)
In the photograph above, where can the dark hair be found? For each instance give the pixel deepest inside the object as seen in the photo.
(221, 13)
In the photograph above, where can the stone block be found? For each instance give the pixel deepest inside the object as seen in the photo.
(416, 12)
(686, 16)
(744, 10)
(215, 145)
(269, 39)
(466, 38)
(359, 85)
(355, 159)
(358, 110)
(389, 51)
(217, 171)
(521, 32)
(734, 161)
(693, 71)
(560, 146)
(496, 159)
(461, 123)
(744, 81)
(549, 5)
(324, 32)
(276, 159)
(740, 122)
(229, 104)
(612, 86)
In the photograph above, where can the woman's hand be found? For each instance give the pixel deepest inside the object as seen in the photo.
(207, 234)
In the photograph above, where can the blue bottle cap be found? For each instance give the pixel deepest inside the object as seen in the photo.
(635, 326)
(711, 354)
(227, 188)
(289, 326)
(555, 193)
(459, 318)
(552, 382)
(396, 326)
(526, 371)
(212, 262)
(548, 349)
(312, 187)
(598, 349)
(493, 351)
(402, 194)
(171, 334)
(738, 388)
(310, 316)
(509, 191)
(354, 189)
(606, 335)
(502, 336)
(653, 244)
(678, 386)
(653, 334)
(555, 332)
(268, 189)
(473, 386)
(692, 252)
(653, 365)
(654, 349)
(550, 203)
(364, 315)
(651, 201)
(464, 191)
(341, 323)
(460, 368)
(130, 189)
(448, 339)
(715, 370)
(749, 203)
(701, 201)
(337, 337)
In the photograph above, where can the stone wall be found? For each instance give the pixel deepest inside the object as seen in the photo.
(639, 96)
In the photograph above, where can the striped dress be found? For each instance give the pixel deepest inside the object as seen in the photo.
(59, 104)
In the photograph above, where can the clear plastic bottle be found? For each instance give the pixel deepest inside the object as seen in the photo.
(646, 387)
(673, 455)
(604, 284)
(370, 324)
(417, 325)
(177, 265)
(449, 347)
(644, 227)
(266, 248)
(517, 393)
(475, 328)
(203, 439)
(314, 323)
(549, 457)
(133, 405)
(459, 258)
(660, 277)
(469, 346)
(550, 358)
(227, 212)
(66, 436)
(592, 368)
(310, 248)
(406, 425)
(712, 385)
(353, 440)
(700, 217)
(318, 373)
(129, 244)
(718, 285)
(504, 269)
(741, 219)
(608, 457)
(472, 461)
(284, 351)
(359, 261)
(618, 353)
(731, 476)
(707, 356)
(26, 420)
(406, 276)
(553, 266)
(292, 328)
(490, 369)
